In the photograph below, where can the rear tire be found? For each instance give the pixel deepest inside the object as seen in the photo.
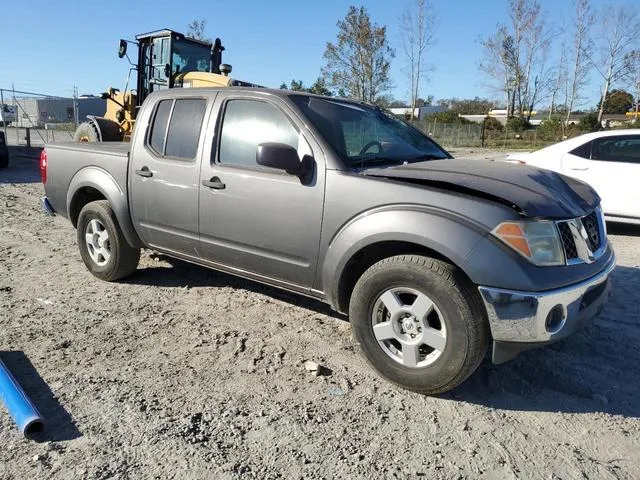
(86, 132)
(419, 323)
(102, 245)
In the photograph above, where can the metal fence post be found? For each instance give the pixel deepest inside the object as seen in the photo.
(4, 120)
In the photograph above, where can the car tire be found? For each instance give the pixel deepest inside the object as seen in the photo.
(419, 322)
(102, 245)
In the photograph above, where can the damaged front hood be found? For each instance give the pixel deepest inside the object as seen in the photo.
(533, 191)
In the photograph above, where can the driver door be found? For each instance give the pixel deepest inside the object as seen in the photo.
(255, 218)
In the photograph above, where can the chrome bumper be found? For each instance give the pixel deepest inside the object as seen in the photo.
(46, 206)
(543, 317)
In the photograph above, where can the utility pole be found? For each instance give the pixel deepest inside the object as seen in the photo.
(15, 109)
(75, 105)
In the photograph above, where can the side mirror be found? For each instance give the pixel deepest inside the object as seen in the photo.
(122, 50)
(280, 156)
(167, 70)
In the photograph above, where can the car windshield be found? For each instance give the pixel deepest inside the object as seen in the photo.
(366, 136)
(189, 56)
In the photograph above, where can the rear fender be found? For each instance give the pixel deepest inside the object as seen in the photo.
(102, 181)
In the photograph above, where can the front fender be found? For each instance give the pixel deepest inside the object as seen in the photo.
(102, 181)
(446, 233)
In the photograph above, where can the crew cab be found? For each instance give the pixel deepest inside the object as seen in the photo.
(433, 259)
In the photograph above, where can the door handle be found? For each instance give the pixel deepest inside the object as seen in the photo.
(144, 172)
(214, 183)
(581, 169)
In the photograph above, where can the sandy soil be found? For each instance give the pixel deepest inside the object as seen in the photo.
(181, 372)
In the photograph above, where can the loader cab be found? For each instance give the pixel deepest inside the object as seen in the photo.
(164, 54)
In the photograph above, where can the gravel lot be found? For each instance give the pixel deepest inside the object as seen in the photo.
(182, 372)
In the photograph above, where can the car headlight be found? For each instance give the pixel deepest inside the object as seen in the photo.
(537, 241)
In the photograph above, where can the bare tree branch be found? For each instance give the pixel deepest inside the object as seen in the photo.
(418, 25)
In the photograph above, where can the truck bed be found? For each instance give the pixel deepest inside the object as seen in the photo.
(72, 162)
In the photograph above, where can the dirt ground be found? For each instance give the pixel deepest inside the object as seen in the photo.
(182, 372)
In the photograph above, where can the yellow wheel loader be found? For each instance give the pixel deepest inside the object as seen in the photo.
(166, 59)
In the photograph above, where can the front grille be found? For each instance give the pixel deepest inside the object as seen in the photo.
(590, 223)
(568, 242)
(581, 238)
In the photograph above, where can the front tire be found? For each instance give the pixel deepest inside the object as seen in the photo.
(102, 245)
(419, 323)
(86, 133)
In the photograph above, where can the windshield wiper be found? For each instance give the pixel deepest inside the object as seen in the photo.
(366, 162)
(426, 156)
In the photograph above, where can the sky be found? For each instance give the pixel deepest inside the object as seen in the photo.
(50, 46)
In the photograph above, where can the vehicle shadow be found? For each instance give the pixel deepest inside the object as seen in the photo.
(596, 370)
(24, 166)
(181, 274)
(58, 423)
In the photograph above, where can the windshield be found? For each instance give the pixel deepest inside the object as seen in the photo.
(366, 136)
(190, 56)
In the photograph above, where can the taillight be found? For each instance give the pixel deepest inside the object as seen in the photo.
(43, 165)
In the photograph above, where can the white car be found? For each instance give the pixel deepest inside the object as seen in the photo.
(608, 161)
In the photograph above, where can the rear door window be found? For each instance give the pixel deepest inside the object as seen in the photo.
(184, 128)
(184, 118)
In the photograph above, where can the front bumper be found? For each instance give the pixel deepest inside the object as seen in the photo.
(521, 320)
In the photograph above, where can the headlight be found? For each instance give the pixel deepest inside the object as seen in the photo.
(538, 241)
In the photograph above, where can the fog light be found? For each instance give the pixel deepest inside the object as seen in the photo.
(555, 319)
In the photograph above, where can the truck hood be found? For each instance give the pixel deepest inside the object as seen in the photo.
(534, 192)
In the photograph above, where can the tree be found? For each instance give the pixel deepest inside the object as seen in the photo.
(618, 36)
(559, 82)
(318, 87)
(196, 30)
(515, 57)
(617, 102)
(473, 106)
(582, 49)
(359, 62)
(418, 24)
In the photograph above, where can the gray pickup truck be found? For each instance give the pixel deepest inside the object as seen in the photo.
(432, 258)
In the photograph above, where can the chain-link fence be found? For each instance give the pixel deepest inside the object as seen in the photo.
(476, 135)
(32, 118)
(497, 135)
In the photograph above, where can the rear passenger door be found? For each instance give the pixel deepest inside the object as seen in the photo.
(611, 165)
(164, 174)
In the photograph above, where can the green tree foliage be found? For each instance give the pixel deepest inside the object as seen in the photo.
(472, 106)
(492, 124)
(196, 30)
(617, 102)
(447, 117)
(550, 130)
(318, 87)
(517, 124)
(590, 123)
(359, 62)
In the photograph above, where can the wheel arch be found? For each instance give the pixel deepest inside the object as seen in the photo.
(93, 183)
(365, 241)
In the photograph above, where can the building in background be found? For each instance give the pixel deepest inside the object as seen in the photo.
(420, 112)
(36, 112)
